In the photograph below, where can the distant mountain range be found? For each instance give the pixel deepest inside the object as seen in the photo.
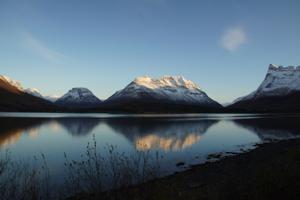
(37, 93)
(279, 92)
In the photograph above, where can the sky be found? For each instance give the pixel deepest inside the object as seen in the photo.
(223, 46)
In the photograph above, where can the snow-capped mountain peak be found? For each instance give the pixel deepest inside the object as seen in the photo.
(51, 98)
(273, 67)
(12, 82)
(279, 81)
(78, 96)
(165, 81)
(77, 93)
(34, 92)
(168, 89)
(37, 93)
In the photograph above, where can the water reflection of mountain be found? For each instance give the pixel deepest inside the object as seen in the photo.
(144, 133)
(272, 128)
(78, 126)
(12, 128)
(166, 134)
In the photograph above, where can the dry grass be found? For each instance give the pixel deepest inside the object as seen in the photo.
(24, 180)
(95, 173)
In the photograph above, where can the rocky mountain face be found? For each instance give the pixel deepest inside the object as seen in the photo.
(15, 98)
(279, 91)
(144, 94)
(37, 93)
(78, 97)
(172, 93)
(34, 92)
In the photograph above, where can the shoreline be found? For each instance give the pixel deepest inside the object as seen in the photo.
(270, 171)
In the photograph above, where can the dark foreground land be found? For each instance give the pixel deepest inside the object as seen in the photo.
(271, 171)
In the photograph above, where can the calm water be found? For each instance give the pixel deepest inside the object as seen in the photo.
(179, 138)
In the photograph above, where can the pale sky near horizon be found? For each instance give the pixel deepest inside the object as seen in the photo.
(223, 46)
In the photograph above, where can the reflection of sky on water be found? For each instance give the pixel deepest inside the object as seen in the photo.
(188, 139)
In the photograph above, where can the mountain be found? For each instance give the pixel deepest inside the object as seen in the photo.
(51, 98)
(11, 85)
(34, 92)
(78, 97)
(15, 98)
(166, 94)
(279, 92)
(37, 93)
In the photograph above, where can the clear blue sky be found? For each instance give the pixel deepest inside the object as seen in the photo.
(224, 46)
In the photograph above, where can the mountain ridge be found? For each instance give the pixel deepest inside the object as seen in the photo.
(14, 98)
(78, 97)
(279, 91)
(168, 93)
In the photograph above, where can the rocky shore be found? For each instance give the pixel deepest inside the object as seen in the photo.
(271, 171)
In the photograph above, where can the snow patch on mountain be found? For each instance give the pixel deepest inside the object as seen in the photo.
(34, 92)
(166, 81)
(172, 88)
(51, 98)
(279, 81)
(37, 93)
(79, 96)
(12, 82)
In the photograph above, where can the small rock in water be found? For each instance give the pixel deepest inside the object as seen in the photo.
(214, 156)
(180, 164)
